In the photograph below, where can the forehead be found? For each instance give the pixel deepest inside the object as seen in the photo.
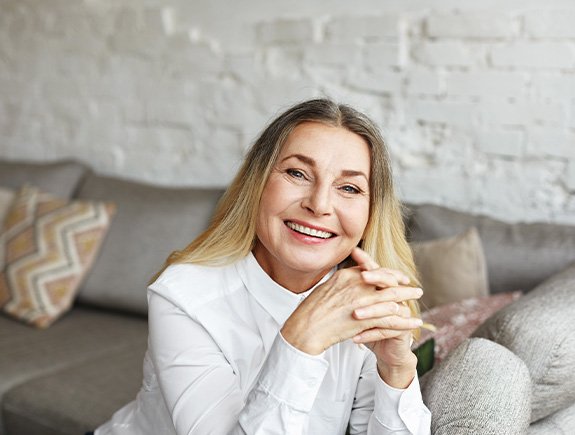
(328, 144)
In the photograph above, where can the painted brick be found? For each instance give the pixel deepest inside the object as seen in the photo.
(474, 102)
(450, 53)
(286, 31)
(183, 57)
(570, 176)
(332, 54)
(384, 55)
(548, 55)
(137, 43)
(486, 83)
(544, 142)
(505, 143)
(423, 82)
(485, 25)
(552, 85)
(443, 112)
(438, 185)
(284, 61)
(521, 113)
(550, 23)
(344, 29)
(385, 82)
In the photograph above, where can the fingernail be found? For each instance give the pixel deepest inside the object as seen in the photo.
(418, 322)
(360, 313)
(419, 292)
(357, 338)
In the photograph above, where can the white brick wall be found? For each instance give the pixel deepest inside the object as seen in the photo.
(476, 100)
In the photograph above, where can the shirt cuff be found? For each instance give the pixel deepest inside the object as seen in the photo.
(395, 408)
(292, 376)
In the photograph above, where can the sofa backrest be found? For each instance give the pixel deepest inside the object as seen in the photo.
(519, 255)
(59, 178)
(150, 223)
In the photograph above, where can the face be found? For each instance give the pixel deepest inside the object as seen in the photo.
(315, 205)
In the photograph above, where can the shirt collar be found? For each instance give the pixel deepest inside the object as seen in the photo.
(278, 301)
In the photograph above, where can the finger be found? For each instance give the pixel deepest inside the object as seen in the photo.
(390, 294)
(389, 277)
(404, 311)
(363, 259)
(377, 334)
(397, 323)
(377, 310)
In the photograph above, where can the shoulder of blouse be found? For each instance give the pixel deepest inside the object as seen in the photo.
(191, 286)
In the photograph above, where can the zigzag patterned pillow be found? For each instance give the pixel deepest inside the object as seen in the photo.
(50, 245)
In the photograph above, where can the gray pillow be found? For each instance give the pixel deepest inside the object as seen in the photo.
(480, 388)
(59, 178)
(539, 328)
(519, 256)
(150, 223)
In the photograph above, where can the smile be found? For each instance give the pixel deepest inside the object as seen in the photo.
(309, 231)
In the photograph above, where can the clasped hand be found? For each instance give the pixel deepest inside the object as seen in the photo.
(365, 303)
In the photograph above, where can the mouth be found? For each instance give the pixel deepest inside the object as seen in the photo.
(312, 232)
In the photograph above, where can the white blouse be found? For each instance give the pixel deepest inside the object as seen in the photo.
(217, 364)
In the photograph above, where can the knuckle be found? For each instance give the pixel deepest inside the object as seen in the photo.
(392, 293)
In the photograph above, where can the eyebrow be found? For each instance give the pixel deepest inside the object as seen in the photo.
(311, 162)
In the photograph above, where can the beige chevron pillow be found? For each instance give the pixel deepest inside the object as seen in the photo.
(50, 245)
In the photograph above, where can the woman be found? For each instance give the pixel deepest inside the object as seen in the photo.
(258, 326)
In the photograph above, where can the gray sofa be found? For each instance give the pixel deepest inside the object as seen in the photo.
(71, 377)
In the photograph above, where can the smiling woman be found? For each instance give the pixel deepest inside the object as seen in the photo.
(255, 326)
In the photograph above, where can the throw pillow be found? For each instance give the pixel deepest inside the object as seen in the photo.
(6, 199)
(50, 244)
(538, 328)
(457, 321)
(451, 269)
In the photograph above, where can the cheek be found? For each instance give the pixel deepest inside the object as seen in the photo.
(355, 220)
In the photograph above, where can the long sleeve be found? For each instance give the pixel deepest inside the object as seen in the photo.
(202, 392)
(381, 409)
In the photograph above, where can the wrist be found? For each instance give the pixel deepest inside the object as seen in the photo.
(398, 375)
(298, 338)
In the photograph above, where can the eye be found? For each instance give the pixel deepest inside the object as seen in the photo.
(350, 189)
(295, 173)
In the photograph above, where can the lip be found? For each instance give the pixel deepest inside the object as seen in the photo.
(313, 227)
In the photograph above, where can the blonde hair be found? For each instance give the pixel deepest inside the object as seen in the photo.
(231, 234)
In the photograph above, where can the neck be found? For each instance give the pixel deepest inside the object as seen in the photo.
(295, 281)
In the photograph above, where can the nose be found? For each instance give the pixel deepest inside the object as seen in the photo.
(318, 200)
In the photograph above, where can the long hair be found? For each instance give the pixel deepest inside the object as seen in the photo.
(231, 234)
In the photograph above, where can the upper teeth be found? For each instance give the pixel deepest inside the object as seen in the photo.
(308, 231)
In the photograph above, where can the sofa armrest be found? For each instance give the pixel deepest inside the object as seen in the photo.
(480, 388)
(539, 329)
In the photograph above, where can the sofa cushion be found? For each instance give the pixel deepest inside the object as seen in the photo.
(560, 423)
(50, 244)
(59, 178)
(480, 388)
(81, 335)
(539, 329)
(519, 256)
(77, 399)
(151, 222)
(451, 269)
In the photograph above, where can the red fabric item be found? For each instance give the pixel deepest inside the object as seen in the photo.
(457, 321)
